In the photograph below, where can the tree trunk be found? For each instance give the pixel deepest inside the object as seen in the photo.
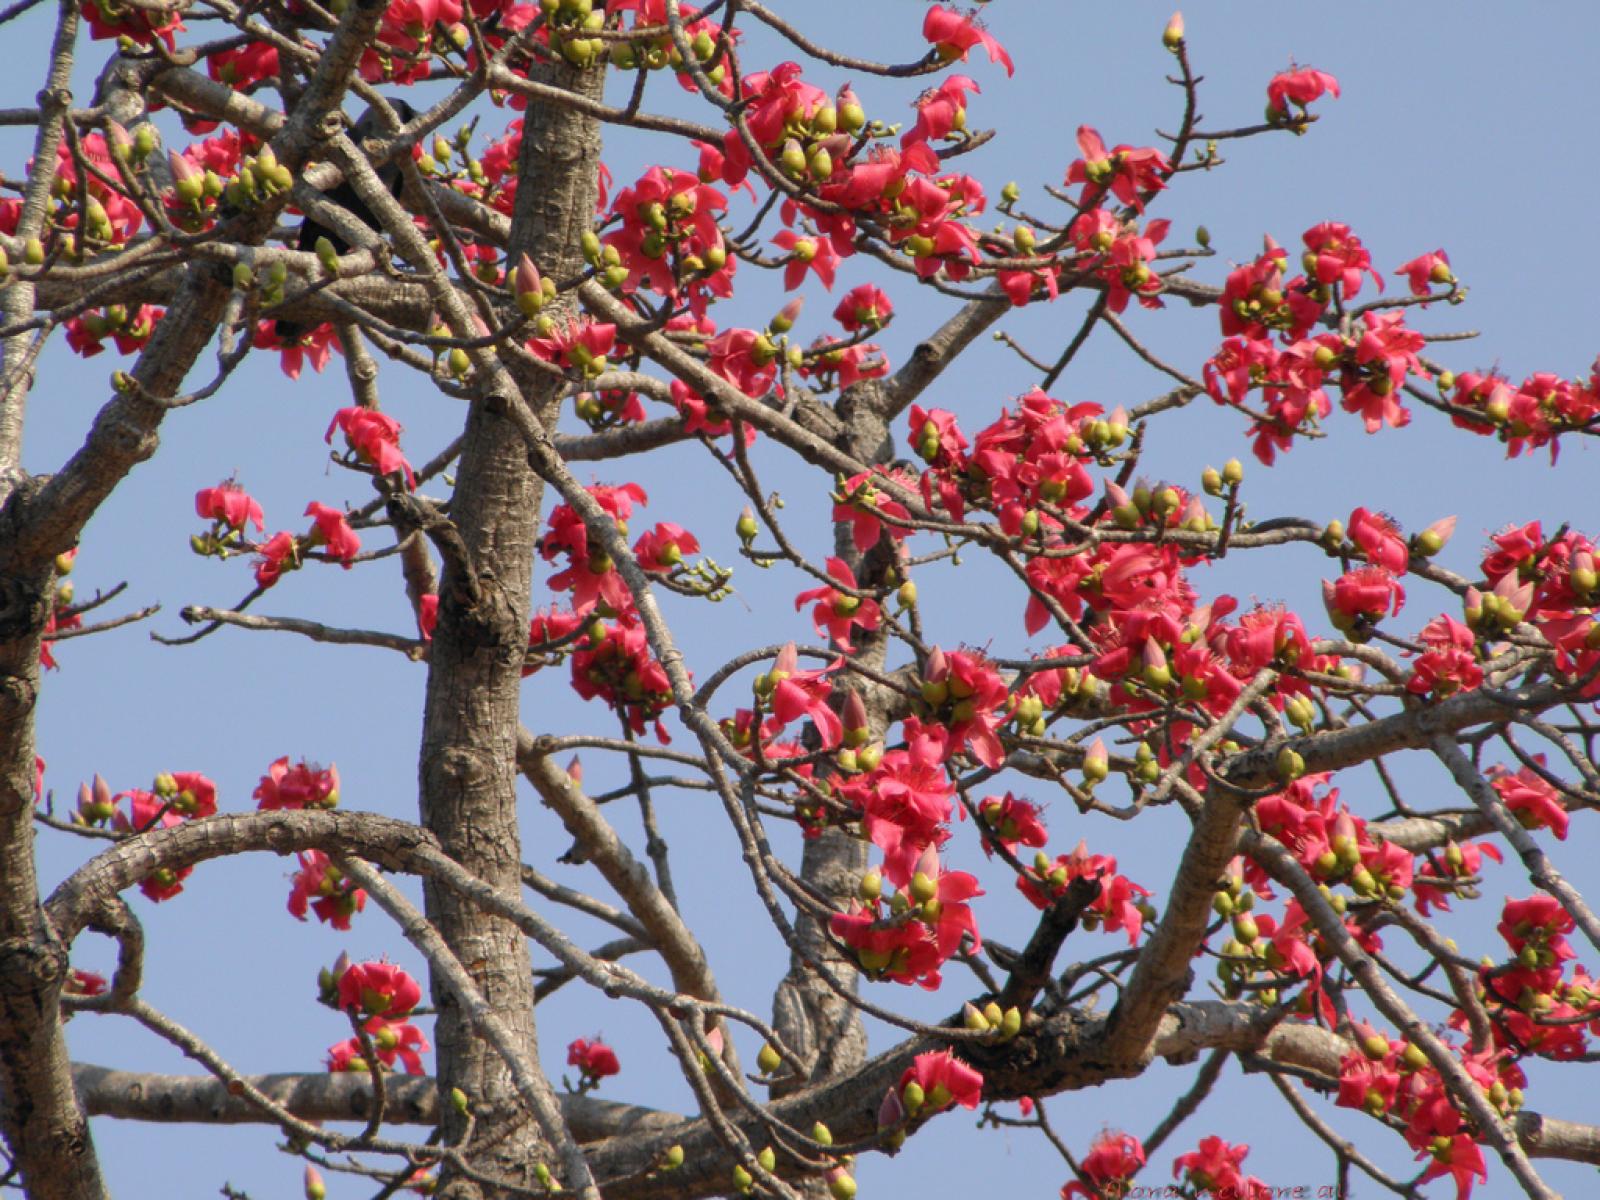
(468, 767)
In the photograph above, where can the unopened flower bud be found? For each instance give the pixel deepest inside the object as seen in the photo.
(1172, 35)
(315, 1188)
(1432, 539)
(787, 315)
(769, 1060)
(841, 1185)
(746, 526)
(1096, 763)
(327, 256)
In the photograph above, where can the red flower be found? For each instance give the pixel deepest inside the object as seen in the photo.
(318, 885)
(1113, 1160)
(836, 612)
(315, 345)
(941, 1080)
(374, 437)
(864, 306)
(427, 616)
(84, 983)
(745, 358)
(243, 66)
(954, 36)
(663, 548)
(1457, 1157)
(148, 811)
(189, 793)
(806, 254)
(1361, 598)
(1379, 538)
(1011, 823)
(1536, 804)
(1449, 664)
(303, 785)
(1426, 270)
(230, 505)
(378, 989)
(795, 693)
(595, 1059)
(1126, 171)
(390, 1039)
(279, 553)
(334, 532)
(1302, 86)
(1214, 1167)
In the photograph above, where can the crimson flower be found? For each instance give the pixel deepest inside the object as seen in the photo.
(148, 811)
(315, 346)
(189, 793)
(1426, 270)
(1359, 599)
(954, 36)
(319, 886)
(663, 548)
(303, 785)
(864, 306)
(796, 693)
(230, 505)
(391, 1040)
(1011, 823)
(378, 989)
(1113, 1160)
(84, 983)
(279, 553)
(1301, 85)
(1379, 538)
(1125, 171)
(941, 1079)
(595, 1060)
(836, 612)
(1214, 1167)
(374, 437)
(243, 66)
(333, 531)
(1536, 804)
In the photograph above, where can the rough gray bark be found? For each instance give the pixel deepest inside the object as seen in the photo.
(468, 767)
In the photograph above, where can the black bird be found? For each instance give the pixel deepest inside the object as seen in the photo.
(369, 125)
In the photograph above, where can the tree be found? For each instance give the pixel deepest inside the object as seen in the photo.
(192, 218)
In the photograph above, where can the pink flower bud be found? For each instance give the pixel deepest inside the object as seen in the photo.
(1172, 35)
(938, 666)
(1096, 763)
(1432, 539)
(788, 315)
(891, 1111)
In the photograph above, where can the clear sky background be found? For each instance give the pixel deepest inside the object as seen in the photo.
(1461, 126)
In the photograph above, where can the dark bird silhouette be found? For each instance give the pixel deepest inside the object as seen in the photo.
(369, 125)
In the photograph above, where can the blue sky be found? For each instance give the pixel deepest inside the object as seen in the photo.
(1460, 126)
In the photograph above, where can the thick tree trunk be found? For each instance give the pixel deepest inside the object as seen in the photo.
(468, 766)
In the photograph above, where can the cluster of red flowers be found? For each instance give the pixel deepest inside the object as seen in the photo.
(382, 995)
(175, 797)
(1212, 1169)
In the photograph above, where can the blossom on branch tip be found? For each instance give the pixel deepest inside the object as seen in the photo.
(953, 36)
(303, 785)
(378, 989)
